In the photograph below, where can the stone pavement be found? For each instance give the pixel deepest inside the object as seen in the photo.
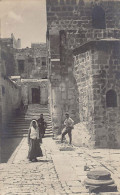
(60, 171)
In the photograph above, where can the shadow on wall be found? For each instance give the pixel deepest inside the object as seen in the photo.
(8, 146)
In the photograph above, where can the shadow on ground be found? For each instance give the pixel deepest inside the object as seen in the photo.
(8, 146)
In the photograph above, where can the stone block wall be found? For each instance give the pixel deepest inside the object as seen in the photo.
(77, 15)
(34, 62)
(64, 94)
(97, 73)
(7, 57)
(28, 84)
(10, 100)
(106, 80)
(84, 78)
(74, 84)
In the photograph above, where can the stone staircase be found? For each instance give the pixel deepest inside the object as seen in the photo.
(18, 127)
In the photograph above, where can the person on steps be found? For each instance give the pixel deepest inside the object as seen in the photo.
(42, 125)
(34, 140)
(69, 125)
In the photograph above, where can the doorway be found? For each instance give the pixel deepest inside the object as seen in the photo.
(36, 95)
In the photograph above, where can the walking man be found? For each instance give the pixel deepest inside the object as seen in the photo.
(42, 125)
(69, 125)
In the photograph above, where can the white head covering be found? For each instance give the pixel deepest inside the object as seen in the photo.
(31, 124)
(34, 131)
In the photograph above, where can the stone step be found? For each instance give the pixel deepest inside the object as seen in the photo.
(109, 193)
(18, 126)
(23, 124)
(103, 188)
(26, 121)
(24, 135)
(23, 129)
(99, 175)
(23, 132)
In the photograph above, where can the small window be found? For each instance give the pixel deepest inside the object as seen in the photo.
(98, 18)
(62, 37)
(30, 60)
(111, 98)
(43, 63)
(3, 90)
(21, 66)
(38, 60)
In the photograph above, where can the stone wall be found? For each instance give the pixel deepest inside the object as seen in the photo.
(77, 14)
(11, 98)
(64, 93)
(33, 61)
(7, 57)
(71, 24)
(97, 72)
(106, 70)
(28, 84)
(9, 92)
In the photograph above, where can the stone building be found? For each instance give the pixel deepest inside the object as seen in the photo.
(35, 91)
(31, 62)
(31, 66)
(23, 77)
(10, 92)
(84, 67)
(8, 48)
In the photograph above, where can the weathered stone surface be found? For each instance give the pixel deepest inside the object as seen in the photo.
(97, 189)
(94, 68)
(99, 182)
(99, 175)
(109, 193)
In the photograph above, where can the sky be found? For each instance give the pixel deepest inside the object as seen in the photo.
(26, 19)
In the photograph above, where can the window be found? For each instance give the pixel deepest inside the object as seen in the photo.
(38, 60)
(30, 60)
(43, 61)
(3, 90)
(111, 98)
(62, 37)
(98, 18)
(21, 66)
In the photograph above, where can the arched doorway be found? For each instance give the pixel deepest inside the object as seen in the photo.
(98, 18)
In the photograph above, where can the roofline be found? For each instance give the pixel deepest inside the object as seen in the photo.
(88, 44)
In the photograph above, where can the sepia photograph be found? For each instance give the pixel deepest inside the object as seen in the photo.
(59, 97)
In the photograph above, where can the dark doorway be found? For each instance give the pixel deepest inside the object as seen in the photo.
(36, 95)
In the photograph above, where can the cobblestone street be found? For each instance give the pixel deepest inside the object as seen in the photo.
(59, 171)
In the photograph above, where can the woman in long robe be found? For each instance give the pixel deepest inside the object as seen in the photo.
(34, 140)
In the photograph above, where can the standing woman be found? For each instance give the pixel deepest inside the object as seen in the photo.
(34, 140)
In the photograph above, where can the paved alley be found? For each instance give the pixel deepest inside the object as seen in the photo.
(60, 171)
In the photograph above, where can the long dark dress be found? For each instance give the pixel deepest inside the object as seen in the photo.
(34, 148)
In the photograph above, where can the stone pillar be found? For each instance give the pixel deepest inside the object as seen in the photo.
(25, 93)
(56, 108)
(43, 94)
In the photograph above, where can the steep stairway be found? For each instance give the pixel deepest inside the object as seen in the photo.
(18, 127)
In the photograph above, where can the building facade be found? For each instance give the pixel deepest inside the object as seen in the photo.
(83, 56)
(31, 62)
(10, 92)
